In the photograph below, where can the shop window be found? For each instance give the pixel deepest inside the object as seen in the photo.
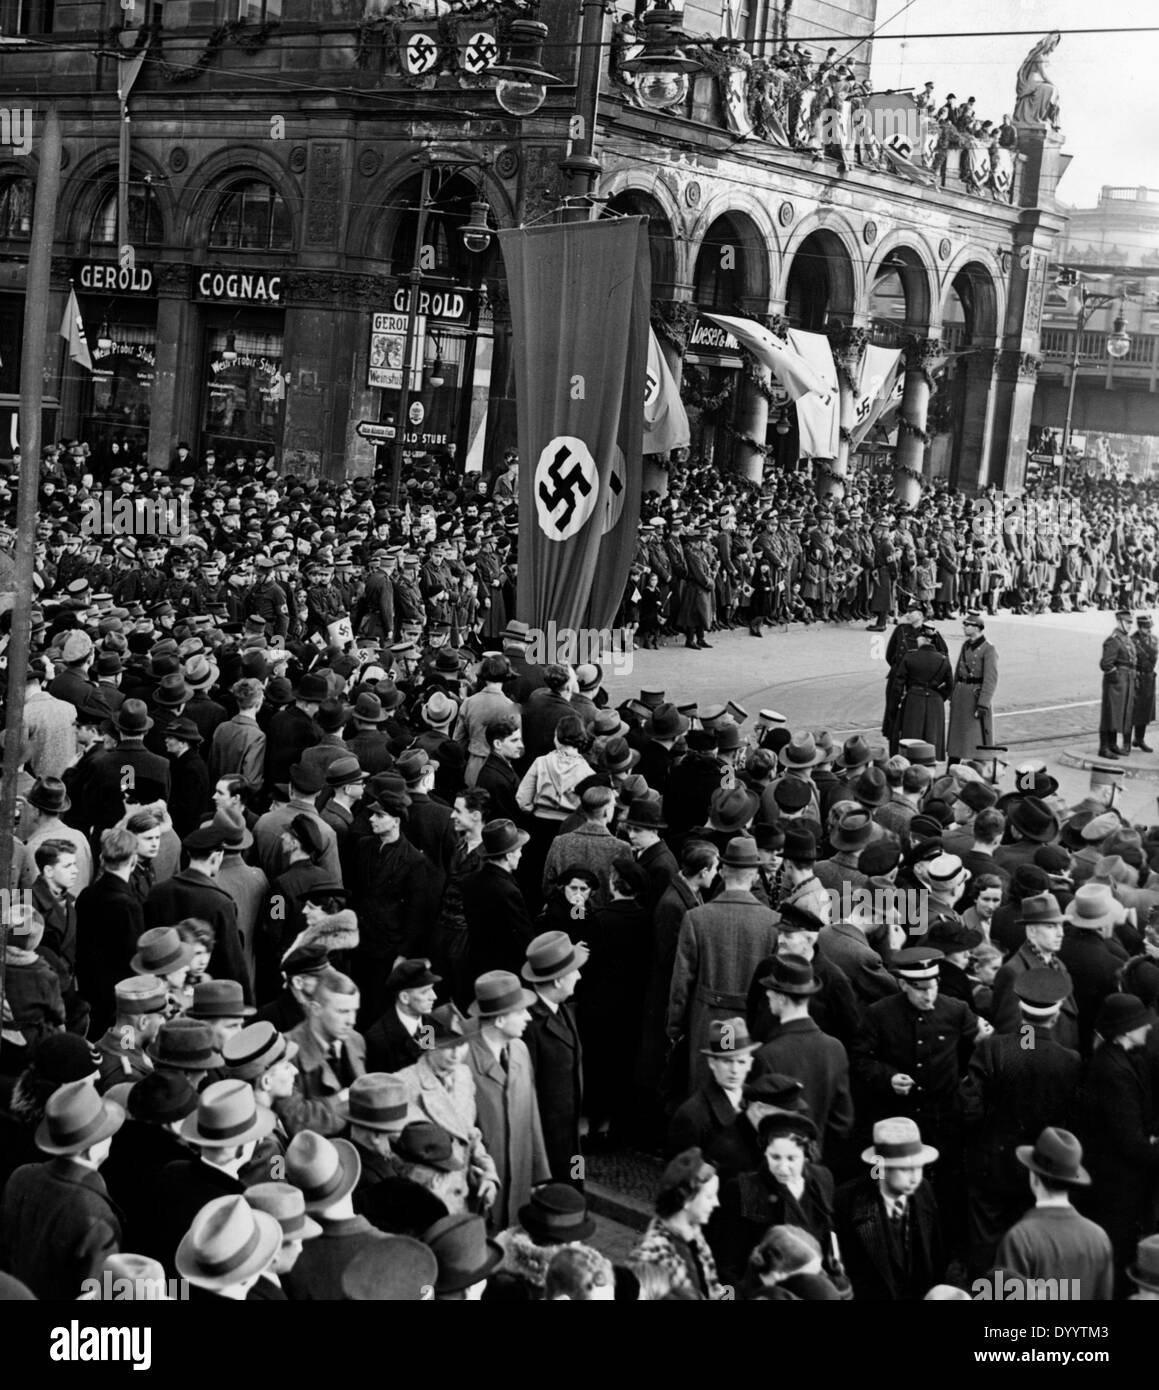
(124, 365)
(259, 11)
(145, 225)
(244, 388)
(251, 217)
(16, 209)
(26, 17)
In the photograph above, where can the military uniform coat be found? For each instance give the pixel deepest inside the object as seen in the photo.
(1118, 667)
(719, 947)
(926, 682)
(975, 681)
(1146, 654)
(509, 1120)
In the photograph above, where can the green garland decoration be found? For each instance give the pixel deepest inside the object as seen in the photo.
(907, 426)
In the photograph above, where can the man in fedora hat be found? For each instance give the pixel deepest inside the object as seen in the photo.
(40, 820)
(112, 789)
(715, 1104)
(717, 951)
(465, 1257)
(298, 797)
(1118, 663)
(799, 1048)
(552, 1038)
(1041, 918)
(1016, 1084)
(292, 730)
(286, 1204)
(393, 1041)
(887, 1221)
(1052, 1241)
(660, 754)
(1144, 1273)
(499, 926)
(378, 1114)
(155, 1106)
(201, 675)
(440, 1088)
(1030, 824)
(189, 776)
(642, 826)
(1091, 953)
(228, 1246)
(505, 1090)
(224, 1131)
(1120, 1122)
(57, 1224)
(193, 892)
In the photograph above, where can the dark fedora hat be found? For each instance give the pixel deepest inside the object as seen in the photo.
(312, 687)
(161, 1098)
(801, 752)
(183, 729)
(1033, 819)
(49, 794)
(741, 853)
(428, 1144)
(871, 788)
(186, 1044)
(132, 719)
(666, 721)
(219, 999)
(732, 808)
(160, 951)
(1055, 1155)
(465, 1255)
(855, 753)
(368, 708)
(728, 1037)
(500, 837)
(791, 975)
(172, 691)
(443, 1027)
(556, 1214)
(800, 844)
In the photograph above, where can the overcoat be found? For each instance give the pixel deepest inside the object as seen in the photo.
(1146, 654)
(509, 1120)
(553, 1042)
(1118, 667)
(719, 947)
(975, 680)
(57, 1225)
(926, 681)
(878, 1269)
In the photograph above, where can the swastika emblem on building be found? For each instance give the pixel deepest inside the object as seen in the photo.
(615, 492)
(421, 54)
(651, 386)
(567, 487)
(480, 53)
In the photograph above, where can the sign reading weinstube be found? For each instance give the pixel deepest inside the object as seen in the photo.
(387, 349)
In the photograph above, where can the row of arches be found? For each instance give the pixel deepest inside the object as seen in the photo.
(820, 269)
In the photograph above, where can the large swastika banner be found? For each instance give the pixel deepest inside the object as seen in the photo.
(579, 295)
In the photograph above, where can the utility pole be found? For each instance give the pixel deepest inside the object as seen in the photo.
(33, 351)
(415, 280)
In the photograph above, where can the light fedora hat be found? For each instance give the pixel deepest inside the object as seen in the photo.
(228, 1241)
(897, 1143)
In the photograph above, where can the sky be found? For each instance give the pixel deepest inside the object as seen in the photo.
(1106, 82)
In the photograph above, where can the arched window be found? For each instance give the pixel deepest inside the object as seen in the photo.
(16, 209)
(251, 216)
(145, 225)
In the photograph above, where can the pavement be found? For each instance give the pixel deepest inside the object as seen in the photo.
(832, 677)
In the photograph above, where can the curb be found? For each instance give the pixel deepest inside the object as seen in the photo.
(1138, 767)
(617, 1206)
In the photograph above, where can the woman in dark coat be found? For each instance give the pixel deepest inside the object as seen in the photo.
(926, 682)
(788, 1190)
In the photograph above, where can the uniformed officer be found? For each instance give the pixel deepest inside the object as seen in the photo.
(1146, 654)
(1118, 667)
(1017, 1084)
(141, 1003)
(269, 599)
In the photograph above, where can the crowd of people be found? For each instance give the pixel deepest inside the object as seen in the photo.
(342, 936)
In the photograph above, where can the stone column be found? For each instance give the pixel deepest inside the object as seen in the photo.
(848, 344)
(752, 421)
(177, 383)
(922, 357)
(971, 465)
(1013, 404)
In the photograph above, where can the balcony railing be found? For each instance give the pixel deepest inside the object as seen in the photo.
(1058, 349)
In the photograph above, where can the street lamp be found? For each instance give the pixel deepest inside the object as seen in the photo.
(477, 234)
(1118, 345)
(662, 69)
(523, 81)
